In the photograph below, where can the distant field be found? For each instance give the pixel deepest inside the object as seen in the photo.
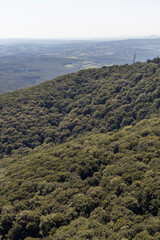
(23, 64)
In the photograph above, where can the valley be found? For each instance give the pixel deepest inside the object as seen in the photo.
(28, 62)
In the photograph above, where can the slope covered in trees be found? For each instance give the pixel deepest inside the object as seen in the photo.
(80, 156)
(95, 100)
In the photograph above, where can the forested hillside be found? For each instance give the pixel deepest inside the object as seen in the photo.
(80, 156)
(94, 100)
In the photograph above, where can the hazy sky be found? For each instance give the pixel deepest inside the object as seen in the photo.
(79, 18)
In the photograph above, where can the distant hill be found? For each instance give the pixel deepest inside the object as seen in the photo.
(80, 156)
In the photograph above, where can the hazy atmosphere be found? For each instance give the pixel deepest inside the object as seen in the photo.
(76, 19)
(79, 120)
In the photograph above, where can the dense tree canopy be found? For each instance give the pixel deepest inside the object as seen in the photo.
(94, 100)
(80, 156)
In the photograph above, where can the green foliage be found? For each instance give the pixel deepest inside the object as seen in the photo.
(93, 100)
(88, 183)
(44, 194)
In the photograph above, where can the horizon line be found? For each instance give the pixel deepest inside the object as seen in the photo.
(82, 39)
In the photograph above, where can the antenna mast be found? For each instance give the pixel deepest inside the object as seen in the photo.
(134, 58)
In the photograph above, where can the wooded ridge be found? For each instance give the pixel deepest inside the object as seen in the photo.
(80, 156)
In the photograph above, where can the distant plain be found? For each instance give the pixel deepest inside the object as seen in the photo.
(28, 62)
